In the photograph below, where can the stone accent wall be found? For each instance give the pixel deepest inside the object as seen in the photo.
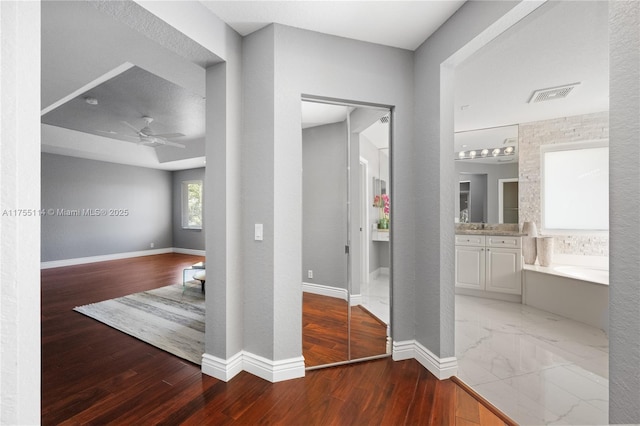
(561, 130)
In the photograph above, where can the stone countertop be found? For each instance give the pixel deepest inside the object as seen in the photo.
(490, 232)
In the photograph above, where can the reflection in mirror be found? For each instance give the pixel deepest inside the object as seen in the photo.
(486, 164)
(346, 290)
(473, 198)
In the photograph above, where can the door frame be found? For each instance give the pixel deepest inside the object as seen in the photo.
(364, 216)
(501, 183)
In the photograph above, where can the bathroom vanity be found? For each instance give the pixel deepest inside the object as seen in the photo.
(489, 264)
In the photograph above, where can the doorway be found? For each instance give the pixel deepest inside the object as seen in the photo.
(508, 200)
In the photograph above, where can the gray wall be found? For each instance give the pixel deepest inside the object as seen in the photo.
(494, 172)
(624, 181)
(74, 183)
(186, 238)
(324, 204)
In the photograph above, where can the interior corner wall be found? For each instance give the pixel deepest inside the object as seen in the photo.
(193, 239)
(280, 65)
(624, 182)
(324, 204)
(96, 208)
(258, 170)
(224, 331)
(434, 171)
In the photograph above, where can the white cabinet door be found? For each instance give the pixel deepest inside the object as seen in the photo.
(470, 267)
(504, 270)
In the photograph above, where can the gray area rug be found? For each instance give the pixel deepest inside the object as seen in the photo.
(170, 318)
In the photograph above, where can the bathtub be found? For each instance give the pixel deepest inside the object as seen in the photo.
(584, 273)
(577, 292)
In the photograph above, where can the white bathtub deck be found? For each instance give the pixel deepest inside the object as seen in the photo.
(558, 290)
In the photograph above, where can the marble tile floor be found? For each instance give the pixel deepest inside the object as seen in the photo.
(537, 367)
(376, 297)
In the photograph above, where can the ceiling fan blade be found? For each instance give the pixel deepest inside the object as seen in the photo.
(112, 133)
(167, 135)
(169, 143)
(131, 126)
(155, 141)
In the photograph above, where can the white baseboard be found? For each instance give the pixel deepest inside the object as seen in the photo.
(273, 371)
(442, 368)
(103, 258)
(403, 350)
(355, 300)
(117, 256)
(222, 369)
(189, 251)
(325, 290)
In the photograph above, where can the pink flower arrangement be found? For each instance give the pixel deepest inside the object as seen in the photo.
(383, 202)
(385, 205)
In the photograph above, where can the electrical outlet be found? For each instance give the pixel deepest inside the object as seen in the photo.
(310, 274)
(152, 245)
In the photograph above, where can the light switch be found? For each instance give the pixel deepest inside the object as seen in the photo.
(258, 232)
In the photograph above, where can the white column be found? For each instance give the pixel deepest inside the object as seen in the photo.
(19, 235)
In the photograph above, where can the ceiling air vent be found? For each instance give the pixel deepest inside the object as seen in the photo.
(551, 93)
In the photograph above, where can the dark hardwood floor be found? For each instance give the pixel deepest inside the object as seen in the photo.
(325, 334)
(93, 374)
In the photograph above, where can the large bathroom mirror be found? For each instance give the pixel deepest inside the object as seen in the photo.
(486, 165)
(346, 226)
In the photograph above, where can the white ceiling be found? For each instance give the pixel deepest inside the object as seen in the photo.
(403, 24)
(318, 113)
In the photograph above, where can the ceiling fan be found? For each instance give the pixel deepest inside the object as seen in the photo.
(147, 137)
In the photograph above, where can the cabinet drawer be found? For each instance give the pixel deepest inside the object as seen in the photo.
(498, 241)
(470, 240)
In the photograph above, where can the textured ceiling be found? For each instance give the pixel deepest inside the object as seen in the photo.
(403, 24)
(128, 97)
(85, 48)
(138, 18)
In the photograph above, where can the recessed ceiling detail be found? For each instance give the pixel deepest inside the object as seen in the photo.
(122, 107)
(552, 93)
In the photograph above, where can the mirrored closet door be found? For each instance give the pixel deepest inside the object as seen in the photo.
(346, 226)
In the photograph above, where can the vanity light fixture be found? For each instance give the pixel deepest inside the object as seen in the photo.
(496, 152)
